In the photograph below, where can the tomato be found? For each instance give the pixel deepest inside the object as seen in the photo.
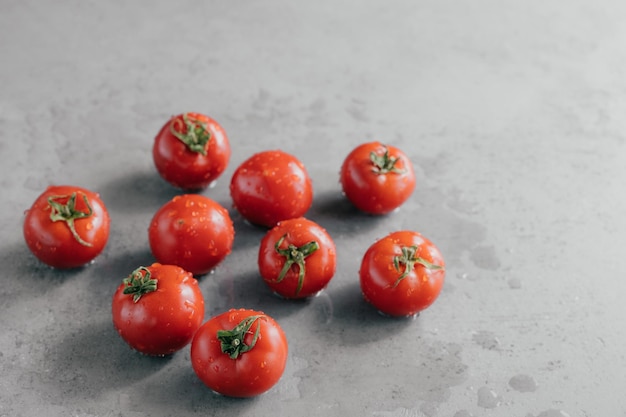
(377, 178)
(158, 309)
(239, 353)
(191, 151)
(66, 226)
(402, 273)
(193, 232)
(271, 186)
(297, 258)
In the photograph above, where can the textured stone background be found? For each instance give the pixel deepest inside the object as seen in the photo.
(512, 112)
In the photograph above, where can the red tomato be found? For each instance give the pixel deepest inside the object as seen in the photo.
(377, 178)
(158, 309)
(271, 186)
(190, 151)
(239, 353)
(193, 232)
(297, 258)
(402, 273)
(66, 226)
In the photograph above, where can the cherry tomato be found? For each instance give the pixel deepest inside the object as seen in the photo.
(193, 232)
(191, 151)
(271, 186)
(402, 273)
(297, 258)
(239, 353)
(377, 178)
(158, 309)
(66, 226)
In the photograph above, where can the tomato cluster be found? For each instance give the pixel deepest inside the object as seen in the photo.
(159, 309)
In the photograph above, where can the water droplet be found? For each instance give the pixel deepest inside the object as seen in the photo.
(515, 283)
(488, 398)
(523, 383)
(487, 340)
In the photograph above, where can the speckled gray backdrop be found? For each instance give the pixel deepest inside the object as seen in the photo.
(512, 112)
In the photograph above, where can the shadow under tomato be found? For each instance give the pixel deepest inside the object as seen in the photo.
(245, 289)
(247, 235)
(337, 213)
(93, 358)
(138, 191)
(179, 389)
(32, 278)
(347, 319)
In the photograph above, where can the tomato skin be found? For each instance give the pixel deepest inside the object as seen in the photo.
(183, 167)
(271, 186)
(164, 321)
(193, 232)
(412, 294)
(52, 242)
(376, 192)
(253, 372)
(320, 266)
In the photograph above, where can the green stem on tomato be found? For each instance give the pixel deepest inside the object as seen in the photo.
(295, 255)
(68, 213)
(385, 163)
(407, 260)
(232, 341)
(196, 135)
(139, 282)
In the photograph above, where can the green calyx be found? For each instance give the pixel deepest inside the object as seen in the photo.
(232, 341)
(68, 213)
(196, 134)
(407, 261)
(385, 163)
(295, 255)
(139, 282)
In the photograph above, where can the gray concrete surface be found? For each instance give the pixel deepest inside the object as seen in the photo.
(513, 113)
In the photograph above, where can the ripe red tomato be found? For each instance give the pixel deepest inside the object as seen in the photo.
(158, 309)
(239, 353)
(402, 273)
(66, 226)
(297, 258)
(377, 178)
(190, 151)
(193, 232)
(271, 186)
